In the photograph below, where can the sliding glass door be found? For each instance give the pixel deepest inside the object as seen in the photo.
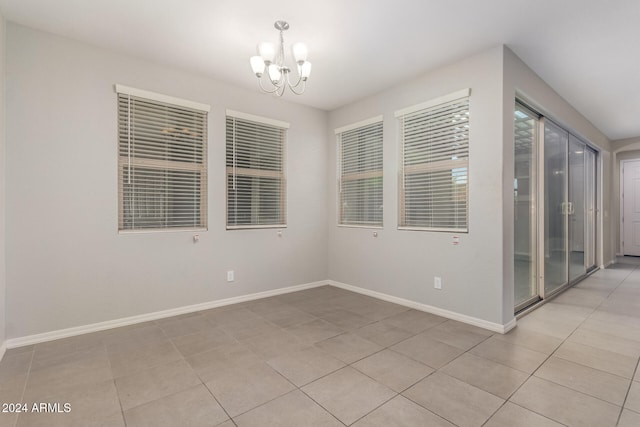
(555, 211)
(590, 208)
(576, 210)
(525, 198)
(556, 207)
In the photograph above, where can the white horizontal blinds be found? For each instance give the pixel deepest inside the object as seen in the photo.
(435, 158)
(256, 185)
(360, 176)
(162, 165)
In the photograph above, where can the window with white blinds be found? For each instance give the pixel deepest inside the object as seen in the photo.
(360, 173)
(162, 162)
(256, 181)
(434, 164)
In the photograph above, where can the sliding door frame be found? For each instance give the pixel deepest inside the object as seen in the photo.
(537, 205)
(542, 241)
(538, 210)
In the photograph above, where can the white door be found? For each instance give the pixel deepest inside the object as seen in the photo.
(631, 208)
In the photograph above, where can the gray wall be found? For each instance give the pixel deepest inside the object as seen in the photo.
(3, 275)
(477, 274)
(403, 263)
(66, 263)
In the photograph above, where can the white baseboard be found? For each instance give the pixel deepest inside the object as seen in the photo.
(110, 324)
(495, 327)
(509, 326)
(125, 321)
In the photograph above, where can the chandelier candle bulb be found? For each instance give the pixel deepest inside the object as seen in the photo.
(274, 73)
(267, 51)
(300, 52)
(257, 65)
(305, 70)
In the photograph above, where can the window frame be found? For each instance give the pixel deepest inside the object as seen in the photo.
(433, 166)
(129, 161)
(282, 174)
(340, 178)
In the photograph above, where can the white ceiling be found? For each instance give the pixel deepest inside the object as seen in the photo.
(587, 50)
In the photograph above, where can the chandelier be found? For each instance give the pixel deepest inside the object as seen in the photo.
(278, 74)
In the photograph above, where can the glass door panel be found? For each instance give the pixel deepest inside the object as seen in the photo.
(555, 207)
(590, 209)
(525, 190)
(576, 208)
(555, 211)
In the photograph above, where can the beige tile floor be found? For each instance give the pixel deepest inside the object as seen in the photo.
(329, 357)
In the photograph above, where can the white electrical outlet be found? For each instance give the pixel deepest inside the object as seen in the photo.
(437, 282)
(230, 276)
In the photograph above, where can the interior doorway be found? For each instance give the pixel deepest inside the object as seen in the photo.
(630, 201)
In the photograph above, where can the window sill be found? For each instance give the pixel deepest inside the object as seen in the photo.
(162, 230)
(370, 227)
(255, 227)
(441, 230)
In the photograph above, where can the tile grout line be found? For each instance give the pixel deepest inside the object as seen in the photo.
(626, 396)
(532, 374)
(113, 380)
(352, 331)
(438, 369)
(526, 409)
(594, 309)
(320, 404)
(417, 361)
(209, 391)
(262, 360)
(26, 382)
(148, 368)
(352, 367)
(469, 351)
(380, 405)
(523, 383)
(565, 340)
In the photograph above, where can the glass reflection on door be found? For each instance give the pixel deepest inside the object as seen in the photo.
(555, 215)
(590, 209)
(556, 207)
(525, 191)
(576, 208)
